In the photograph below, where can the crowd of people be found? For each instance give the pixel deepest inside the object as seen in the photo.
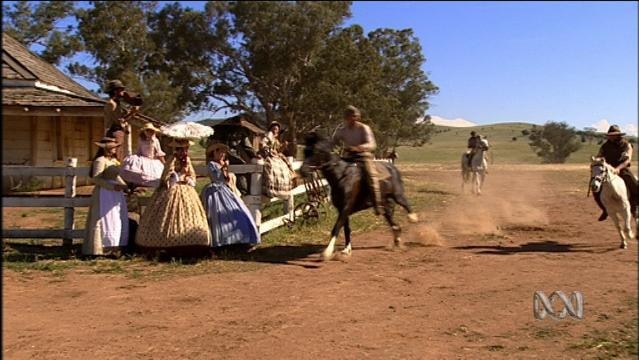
(177, 221)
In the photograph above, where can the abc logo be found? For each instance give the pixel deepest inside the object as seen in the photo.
(573, 305)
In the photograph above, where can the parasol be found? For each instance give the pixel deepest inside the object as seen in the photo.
(187, 130)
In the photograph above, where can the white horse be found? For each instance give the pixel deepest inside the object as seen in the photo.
(476, 172)
(614, 197)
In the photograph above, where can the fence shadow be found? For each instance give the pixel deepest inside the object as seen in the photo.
(296, 255)
(549, 246)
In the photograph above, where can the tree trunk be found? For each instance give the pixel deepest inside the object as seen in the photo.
(291, 135)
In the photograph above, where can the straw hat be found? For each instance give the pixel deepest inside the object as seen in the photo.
(107, 143)
(615, 130)
(214, 147)
(176, 143)
(149, 126)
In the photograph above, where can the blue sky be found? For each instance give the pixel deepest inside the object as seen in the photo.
(519, 61)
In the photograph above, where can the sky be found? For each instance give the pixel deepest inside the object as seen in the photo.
(531, 62)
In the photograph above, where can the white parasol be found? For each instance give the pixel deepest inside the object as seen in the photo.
(187, 130)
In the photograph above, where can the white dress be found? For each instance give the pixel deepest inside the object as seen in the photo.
(144, 168)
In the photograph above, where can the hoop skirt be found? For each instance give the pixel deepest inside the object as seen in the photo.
(144, 168)
(229, 219)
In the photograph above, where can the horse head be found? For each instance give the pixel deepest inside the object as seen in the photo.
(317, 152)
(599, 172)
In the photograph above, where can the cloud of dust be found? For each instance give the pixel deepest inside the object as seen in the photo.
(508, 199)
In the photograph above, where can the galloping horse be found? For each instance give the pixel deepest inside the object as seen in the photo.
(477, 170)
(614, 197)
(349, 190)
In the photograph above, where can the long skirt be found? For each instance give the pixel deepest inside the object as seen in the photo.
(141, 170)
(174, 221)
(277, 178)
(228, 217)
(107, 223)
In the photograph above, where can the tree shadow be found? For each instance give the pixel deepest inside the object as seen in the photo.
(548, 246)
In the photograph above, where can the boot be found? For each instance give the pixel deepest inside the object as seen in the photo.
(604, 214)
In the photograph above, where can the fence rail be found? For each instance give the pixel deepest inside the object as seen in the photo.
(254, 200)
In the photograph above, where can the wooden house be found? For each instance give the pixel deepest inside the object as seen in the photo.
(46, 117)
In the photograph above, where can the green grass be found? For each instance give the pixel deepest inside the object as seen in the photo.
(448, 143)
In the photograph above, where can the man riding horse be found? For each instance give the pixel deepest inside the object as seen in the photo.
(359, 144)
(473, 143)
(618, 152)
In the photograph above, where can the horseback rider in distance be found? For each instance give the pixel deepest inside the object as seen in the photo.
(359, 145)
(473, 143)
(618, 152)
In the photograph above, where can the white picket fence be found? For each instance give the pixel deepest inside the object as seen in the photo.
(254, 201)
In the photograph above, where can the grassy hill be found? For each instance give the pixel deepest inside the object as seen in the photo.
(448, 143)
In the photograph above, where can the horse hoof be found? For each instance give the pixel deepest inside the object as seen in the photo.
(623, 245)
(412, 217)
(327, 256)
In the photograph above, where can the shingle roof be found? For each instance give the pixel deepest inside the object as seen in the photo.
(42, 70)
(29, 96)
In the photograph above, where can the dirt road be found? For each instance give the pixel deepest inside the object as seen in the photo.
(462, 289)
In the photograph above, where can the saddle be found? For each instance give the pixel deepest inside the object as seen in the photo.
(383, 173)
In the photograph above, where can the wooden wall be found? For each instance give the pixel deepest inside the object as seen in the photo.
(49, 141)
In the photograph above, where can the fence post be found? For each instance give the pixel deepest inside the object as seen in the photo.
(69, 192)
(255, 205)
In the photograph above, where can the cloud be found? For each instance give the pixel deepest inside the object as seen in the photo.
(603, 125)
(458, 122)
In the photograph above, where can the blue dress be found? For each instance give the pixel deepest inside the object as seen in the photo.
(229, 219)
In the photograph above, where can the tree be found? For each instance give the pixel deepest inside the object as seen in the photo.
(554, 141)
(38, 25)
(268, 46)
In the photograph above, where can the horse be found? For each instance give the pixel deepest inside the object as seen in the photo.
(477, 170)
(350, 192)
(614, 197)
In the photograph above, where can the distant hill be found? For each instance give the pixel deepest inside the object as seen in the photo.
(448, 143)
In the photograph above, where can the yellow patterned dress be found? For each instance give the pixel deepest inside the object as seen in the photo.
(175, 220)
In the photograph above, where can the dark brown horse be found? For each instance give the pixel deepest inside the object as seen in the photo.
(349, 191)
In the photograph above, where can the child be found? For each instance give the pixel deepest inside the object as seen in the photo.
(145, 167)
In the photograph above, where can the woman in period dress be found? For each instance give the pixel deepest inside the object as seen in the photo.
(228, 217)
(107, 222)
(175, 221)
(145, 167)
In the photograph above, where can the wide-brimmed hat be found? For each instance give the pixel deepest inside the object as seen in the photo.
(107, 143)
(149, 126)
(114, 84)
(274, 123)
(214, 147)
(176, 143)
(615, 130)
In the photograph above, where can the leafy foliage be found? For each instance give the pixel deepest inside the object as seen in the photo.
(288, 61)
(554, 141)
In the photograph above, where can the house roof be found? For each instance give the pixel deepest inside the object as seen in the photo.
(31, 96)
(234, 121)
(20, 63)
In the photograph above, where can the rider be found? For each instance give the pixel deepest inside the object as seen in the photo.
(618, 152)
(359, 144)
(473, 143)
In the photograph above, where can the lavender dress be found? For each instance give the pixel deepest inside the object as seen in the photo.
(229, 219)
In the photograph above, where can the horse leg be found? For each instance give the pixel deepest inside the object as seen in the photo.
(403, 202)
(397, 241)
(327, 254)
(347, 236)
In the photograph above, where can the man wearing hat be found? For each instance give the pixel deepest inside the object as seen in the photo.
(473, 142)
(618, 153)
(116, 117)
(359, 144)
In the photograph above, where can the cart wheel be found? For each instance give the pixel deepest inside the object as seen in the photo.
(312, 214)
